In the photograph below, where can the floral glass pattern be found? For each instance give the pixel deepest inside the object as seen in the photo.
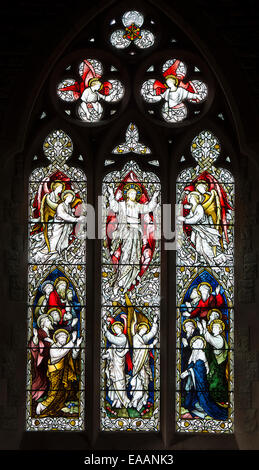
(130, 372)
(56, 291)
(132, 32)
(132, 143)
(205, 292)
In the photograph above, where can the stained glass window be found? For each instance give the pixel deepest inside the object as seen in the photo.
(133, 33)
(131, 64)
(172, 91)
(205, 292)
(91, 92)
(56, 291)
(130, 352)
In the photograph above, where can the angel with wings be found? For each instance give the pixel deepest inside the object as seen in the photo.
(206, 214)
(131, 339)
(117, 357)
(174, 91)
(91, 90)
(45, 205)
(144, 339)
(52, 209)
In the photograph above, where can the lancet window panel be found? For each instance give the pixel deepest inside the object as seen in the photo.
(205, 292)
(56, 291)
(130, 316)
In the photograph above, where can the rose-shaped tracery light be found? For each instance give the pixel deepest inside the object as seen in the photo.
(90, 91)
(132, 32)
(173, 91)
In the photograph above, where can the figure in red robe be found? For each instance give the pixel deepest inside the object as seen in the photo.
(207, 301)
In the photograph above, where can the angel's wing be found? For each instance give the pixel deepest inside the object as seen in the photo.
(152, 90)
(47, 211)
(88, 72)
(131, 319)
(43, 190)
(212, 208)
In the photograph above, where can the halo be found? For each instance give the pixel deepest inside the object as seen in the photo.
(54, 309)
(61, 279)
(198, 337)
(218, 321)
(176, 80)
(61, 330)
(117, 323)
(56, 183)
(65, 193)
(41, 317)
(45, 284)
(134, 186)
(143, 323)
(201, 182)
(214, 310)
(204, 284)
(190, 320)
(94, 79)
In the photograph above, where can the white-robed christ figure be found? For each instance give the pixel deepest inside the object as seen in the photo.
(129, 233)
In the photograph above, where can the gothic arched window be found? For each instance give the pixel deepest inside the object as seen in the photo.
(133, 108)
(131, 294)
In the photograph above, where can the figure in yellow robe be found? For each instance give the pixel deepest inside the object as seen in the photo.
(61, 372)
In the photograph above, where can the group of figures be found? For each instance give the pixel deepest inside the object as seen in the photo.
(205, 285)
(168, 91)
(129, 354)
(205, 353)
(55, 347)
(56, 294)
(130, 300)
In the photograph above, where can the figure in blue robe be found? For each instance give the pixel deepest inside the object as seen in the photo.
(198, 400)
